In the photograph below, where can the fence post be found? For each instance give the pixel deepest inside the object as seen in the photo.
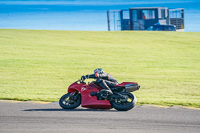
(108, 17)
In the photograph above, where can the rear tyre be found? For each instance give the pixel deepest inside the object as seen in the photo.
(70, 102)
(124, 104)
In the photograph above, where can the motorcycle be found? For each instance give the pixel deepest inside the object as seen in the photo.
(90, 96)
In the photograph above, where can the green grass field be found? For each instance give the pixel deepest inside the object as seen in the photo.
(40, 65)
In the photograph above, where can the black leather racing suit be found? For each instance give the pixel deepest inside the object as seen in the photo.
(104, 80)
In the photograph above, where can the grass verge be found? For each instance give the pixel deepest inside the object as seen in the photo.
(40, 65)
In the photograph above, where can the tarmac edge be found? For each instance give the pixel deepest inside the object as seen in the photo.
(144, 105)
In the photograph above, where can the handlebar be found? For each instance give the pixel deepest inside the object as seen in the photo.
(80, 81)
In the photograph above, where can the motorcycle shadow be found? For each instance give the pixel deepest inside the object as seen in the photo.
(73, 110)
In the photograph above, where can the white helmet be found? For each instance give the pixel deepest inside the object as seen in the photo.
(98, 70)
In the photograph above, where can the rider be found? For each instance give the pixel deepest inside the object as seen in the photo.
(103, 79)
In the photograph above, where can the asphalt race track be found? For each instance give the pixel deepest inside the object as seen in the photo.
(33, 117)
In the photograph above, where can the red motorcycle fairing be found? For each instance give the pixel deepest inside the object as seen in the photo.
(87, 100)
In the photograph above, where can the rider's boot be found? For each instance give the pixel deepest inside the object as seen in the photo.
(107, 90)
(105, 93)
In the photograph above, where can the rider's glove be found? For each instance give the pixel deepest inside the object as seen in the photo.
(83, 77)
(87, 76)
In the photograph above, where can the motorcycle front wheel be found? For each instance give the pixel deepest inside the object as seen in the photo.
(68, 101)
(126, 103)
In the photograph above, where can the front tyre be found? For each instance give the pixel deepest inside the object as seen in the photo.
(126, 103)
(69, 101)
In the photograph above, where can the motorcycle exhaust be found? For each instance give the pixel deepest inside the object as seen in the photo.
(132, 87)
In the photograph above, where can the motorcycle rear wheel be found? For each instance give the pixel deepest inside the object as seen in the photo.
(124, 105)
(67, 102)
